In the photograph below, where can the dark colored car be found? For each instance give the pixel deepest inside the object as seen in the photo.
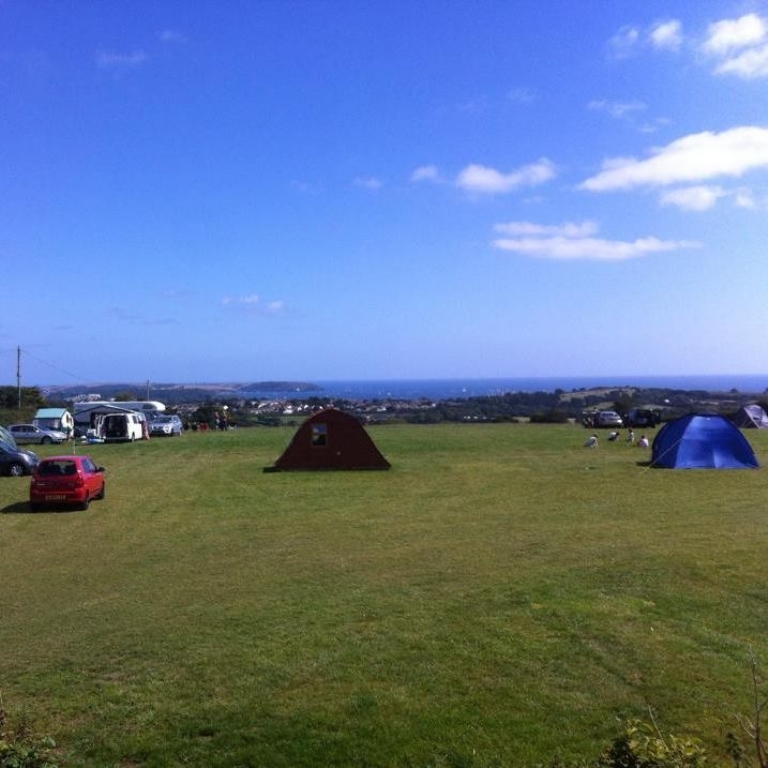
(60, 480)
(15, 461)
(643, 417)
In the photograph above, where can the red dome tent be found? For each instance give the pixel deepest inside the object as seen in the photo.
(331, 439)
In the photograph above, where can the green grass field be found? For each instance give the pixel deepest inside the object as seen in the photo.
(501, 596)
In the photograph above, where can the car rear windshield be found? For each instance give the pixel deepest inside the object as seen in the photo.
(56, 468)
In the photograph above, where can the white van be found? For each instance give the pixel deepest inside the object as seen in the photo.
(114, 427)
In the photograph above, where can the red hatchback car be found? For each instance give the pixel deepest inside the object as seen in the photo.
(66, 480)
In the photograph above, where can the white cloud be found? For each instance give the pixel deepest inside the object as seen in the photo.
(172, 36)
(667, 35)
(664, 35)
(274, 307)
(522, 95)
(249, 300)
(697, 198)
(743, 198)
(303, 187)
(692, 158)
(617, 109)
(483, 180)
(624, 42)
(569, 229)
(740, 46)
(732, 34)
(426, 173)
(121, 61)
(749, 64)
(368, 182)
(574, 242)
(252, 304)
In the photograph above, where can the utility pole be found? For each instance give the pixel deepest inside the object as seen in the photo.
(18, 374)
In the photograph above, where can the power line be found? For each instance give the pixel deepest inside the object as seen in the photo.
(52, 366)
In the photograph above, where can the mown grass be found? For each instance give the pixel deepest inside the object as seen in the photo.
(501, 596)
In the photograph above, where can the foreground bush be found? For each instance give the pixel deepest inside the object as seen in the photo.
(643, 746)
(19, 748)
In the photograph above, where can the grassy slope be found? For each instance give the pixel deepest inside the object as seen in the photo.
(501, 594)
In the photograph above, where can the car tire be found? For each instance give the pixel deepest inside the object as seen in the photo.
(16, 470)
(102, 493)
(46, 441)
(85, 503)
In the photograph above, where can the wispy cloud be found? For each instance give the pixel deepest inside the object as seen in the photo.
(480, 179)
(690, 159)
(368, 182)
(577, 242)
(666, 35)
(252, 304)
(121, 61)
(529, 229)
(134, 318)
(171, 36)
(522, 95)
(631, 113)
(663, 36)
(426, 173)
(624, 43)
(618, 109)
(696, 198)
(239, 301)
(304, 187)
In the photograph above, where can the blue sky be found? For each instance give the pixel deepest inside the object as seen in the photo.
(332, 189)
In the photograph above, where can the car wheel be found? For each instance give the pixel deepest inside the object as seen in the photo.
(102, 493)
(46, 440)
(16, 470)
(85, 503)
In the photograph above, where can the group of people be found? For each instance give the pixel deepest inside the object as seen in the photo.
(615, 436)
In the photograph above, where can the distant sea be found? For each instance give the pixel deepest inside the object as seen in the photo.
(446, 389)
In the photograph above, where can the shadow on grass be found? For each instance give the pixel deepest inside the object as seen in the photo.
(23, 508)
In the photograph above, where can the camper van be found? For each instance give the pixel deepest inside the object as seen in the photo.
(86, 413)
(149, 407)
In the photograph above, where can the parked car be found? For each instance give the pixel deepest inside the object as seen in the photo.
(166, 425)
(643, 417)
(608, 419)
(15, 461)
(31, 433)
(598, 419)
(66, 480)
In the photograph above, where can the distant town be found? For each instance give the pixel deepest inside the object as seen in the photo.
(270, 403)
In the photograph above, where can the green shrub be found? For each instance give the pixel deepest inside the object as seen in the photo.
(642, 745)
(19, 748)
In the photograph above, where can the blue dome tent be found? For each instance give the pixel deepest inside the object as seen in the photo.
(702, 441)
